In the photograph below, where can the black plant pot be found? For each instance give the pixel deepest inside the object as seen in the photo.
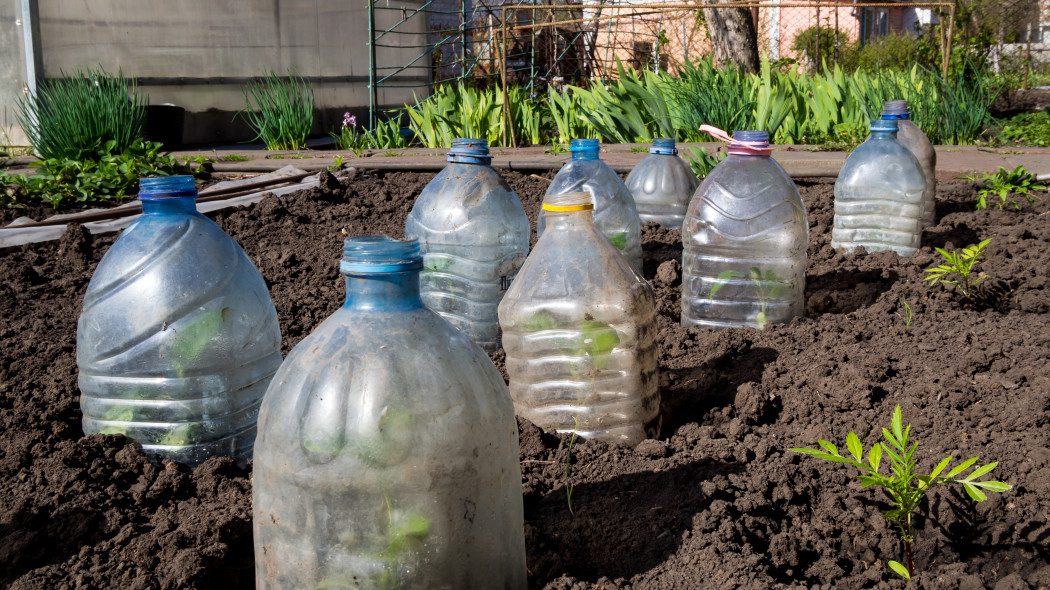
(164, 123)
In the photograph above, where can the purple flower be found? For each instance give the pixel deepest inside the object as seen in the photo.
(349, 120)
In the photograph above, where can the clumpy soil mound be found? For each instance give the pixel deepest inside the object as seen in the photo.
(718, 501)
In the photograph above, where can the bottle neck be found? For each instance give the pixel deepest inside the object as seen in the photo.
(585, 155)
(883, 134)
(169, 205)
(392, 291)
(567, 219)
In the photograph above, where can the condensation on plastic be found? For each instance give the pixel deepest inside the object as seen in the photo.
(579, 331)
(615, 214)
(388, 450)
(744, 245)
(879, 196)
(178, 338)
(910, 136)
(474, 234)
(662, 185)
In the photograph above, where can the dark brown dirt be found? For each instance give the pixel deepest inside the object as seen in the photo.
(717, 502)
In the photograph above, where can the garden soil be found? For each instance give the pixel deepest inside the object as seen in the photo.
(718, 501)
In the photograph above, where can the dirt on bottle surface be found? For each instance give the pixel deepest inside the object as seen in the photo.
(716, 501)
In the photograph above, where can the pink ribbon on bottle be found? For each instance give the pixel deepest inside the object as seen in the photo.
(738, 147)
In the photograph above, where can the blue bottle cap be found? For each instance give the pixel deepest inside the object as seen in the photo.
(380, 254)
(752, 136)
(895, 109)
(663, 146)
(584, 149)
(166, 187)
(470, 151)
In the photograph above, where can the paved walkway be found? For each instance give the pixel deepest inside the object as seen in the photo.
(952, 161)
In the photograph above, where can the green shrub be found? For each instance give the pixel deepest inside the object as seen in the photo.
(894, 51)
(281, 112)
(73, 116)
(822, 42)
(1029, 129)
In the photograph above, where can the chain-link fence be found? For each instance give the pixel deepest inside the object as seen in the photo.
(538, 44)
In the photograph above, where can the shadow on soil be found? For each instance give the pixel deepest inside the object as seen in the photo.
(652, 514)
(846, 290)
(695, 394)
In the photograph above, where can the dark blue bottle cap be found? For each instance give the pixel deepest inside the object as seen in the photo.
(663, 146)
(166, 187)
(895, 109)
(752, 136)
(470, 151)
(380, 254)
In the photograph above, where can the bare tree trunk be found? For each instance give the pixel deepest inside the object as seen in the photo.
(733, 36)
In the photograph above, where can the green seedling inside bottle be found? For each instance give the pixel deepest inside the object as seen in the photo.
(619, 240)
(190, 340)
(905, 488)
(389, 445)
(768, 287)
(404, 534)
(596, 339)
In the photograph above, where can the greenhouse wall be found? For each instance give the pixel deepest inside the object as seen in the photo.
(200, 56)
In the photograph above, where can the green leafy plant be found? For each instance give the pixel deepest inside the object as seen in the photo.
(768, 287)
(351, 138)
(701, 162)
(336, 165)
(234, 158)
(905, 487)
(1003, 184)
(1029, 129)
(73, 116)
(960, 264)
(108, 176)
(280, 111)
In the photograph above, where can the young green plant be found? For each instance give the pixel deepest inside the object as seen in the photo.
(768, 287)
(961, 265)
(1003, 184)
(905, 487)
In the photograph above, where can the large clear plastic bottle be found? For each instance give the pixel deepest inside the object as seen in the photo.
(879, 196)
(178, 338)
(910, 136)
(662, 185)
(615, 214)
(579, 331)
(388, 450)
(744, 242)
(474, 236)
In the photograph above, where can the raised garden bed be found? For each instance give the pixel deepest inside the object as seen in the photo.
(717, 502)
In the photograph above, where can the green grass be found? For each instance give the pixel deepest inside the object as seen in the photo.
(234, 158)
(76, 114)
(279, 110)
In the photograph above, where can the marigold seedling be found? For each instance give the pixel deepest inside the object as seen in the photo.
(959, 264)
(905, 487)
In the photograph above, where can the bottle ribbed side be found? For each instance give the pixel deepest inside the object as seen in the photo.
(380, 431)
(574, 379)
(724, 292)
(662, 186)
(466, 290)
(177, 341)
